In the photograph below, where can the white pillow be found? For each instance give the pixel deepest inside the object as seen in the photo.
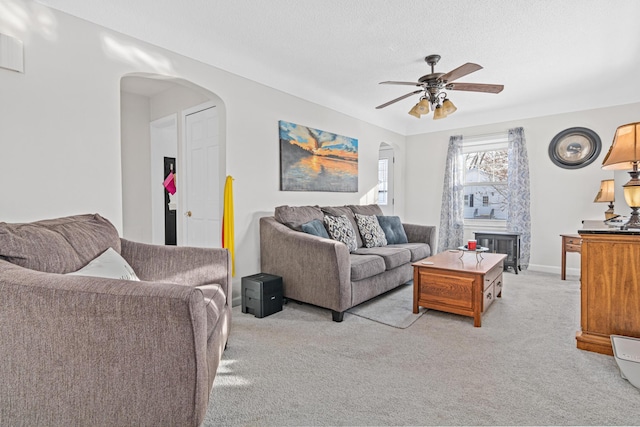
(109, 265)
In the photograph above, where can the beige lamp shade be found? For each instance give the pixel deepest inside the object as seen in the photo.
(606, 193)
(439, 113)
(423, 106)
(414, 112)
(448, 106)
(625, 149)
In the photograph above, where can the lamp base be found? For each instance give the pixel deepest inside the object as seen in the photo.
(608, 214)
(634, 220)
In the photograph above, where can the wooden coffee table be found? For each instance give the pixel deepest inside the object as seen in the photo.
(458, 284)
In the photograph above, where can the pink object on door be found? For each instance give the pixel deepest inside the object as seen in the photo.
(170, 183)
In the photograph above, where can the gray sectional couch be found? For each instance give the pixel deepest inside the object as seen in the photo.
(323, 272)
(77, 350)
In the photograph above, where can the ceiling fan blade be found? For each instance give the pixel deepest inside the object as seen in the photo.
(461, 71)
(401, 83)
(475, 87)
(398, 99)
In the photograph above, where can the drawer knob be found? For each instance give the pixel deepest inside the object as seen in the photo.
(489, 295)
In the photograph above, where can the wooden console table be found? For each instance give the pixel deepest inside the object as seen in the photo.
(458, 284)
(610, 288)
(502, 242)
(570, 243)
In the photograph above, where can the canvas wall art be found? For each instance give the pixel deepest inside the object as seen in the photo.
(316, 160)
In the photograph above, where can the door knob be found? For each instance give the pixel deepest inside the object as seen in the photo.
(188, 213)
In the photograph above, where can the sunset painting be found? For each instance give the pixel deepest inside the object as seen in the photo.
(315, 160)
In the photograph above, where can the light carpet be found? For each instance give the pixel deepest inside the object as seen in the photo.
(522, 367)
(393, 308)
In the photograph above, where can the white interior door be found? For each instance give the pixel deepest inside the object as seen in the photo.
(164, 143)
(385, 179)
(202, 205)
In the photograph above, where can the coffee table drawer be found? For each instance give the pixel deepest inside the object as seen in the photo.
(445, 290)
(497, 286)
(492, 275)
(488, 297)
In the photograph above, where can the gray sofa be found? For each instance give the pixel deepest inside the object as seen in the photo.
(322, 271)
(87, 351)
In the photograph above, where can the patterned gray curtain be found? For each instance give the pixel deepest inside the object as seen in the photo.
(452, 213)
(518, 195)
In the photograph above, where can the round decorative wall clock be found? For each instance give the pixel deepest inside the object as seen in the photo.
(575, 148)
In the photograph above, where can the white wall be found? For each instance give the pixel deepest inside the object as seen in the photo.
(60, 128)
(136, 164)
(560, 198)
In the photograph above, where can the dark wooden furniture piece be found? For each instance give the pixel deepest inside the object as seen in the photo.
(570, 243)
(460, 285)
(610, 288)
(502, 242)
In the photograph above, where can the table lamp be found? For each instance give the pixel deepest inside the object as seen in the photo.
(606, 195)
(624, 154)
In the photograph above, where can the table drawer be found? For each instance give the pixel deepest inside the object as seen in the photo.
(492, 275)
(488, 296)
(446, 290)
(570, 247)
(497, 286)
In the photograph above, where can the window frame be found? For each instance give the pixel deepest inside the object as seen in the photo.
(477, 144)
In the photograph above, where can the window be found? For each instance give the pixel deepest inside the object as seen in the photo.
(485, 180)
(383, 181)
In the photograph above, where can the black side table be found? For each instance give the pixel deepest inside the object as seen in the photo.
(502, 242)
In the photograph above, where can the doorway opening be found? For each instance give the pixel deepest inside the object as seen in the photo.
(385, 178)
(155, 115)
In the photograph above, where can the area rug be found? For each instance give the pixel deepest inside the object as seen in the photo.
(393, 308)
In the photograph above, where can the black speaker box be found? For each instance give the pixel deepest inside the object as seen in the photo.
(262, 294)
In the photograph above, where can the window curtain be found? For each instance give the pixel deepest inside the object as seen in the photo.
(452, 212)
(518, 194)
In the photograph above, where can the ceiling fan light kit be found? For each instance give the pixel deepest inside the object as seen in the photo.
(438, 113)
(433, 86)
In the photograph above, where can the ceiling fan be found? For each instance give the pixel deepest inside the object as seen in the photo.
(434, 85)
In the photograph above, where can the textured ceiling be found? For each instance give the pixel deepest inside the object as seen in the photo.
(552, 56)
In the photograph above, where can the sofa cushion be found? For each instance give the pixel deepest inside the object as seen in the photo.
(366, 209)
(393, 256)
(393, 229)
(110, 265)
(294, 216)
(364, 266)
(370, 231)
(346, 211)
(57, 245)
(340, 229)
(418, 250)
(315, 227)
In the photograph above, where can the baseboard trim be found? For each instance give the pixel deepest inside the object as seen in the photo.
(574, 272)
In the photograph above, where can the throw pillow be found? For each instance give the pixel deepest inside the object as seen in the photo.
(366, 209)
(346, 211)
(110, 265)
(315, 227)
(340, 229)
(393, 229)
(294, 216)
(371, 232)
(57, 245)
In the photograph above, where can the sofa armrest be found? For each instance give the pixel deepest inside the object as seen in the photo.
(313, 269)
(80, 350)
(421, 234)
(180, 264)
